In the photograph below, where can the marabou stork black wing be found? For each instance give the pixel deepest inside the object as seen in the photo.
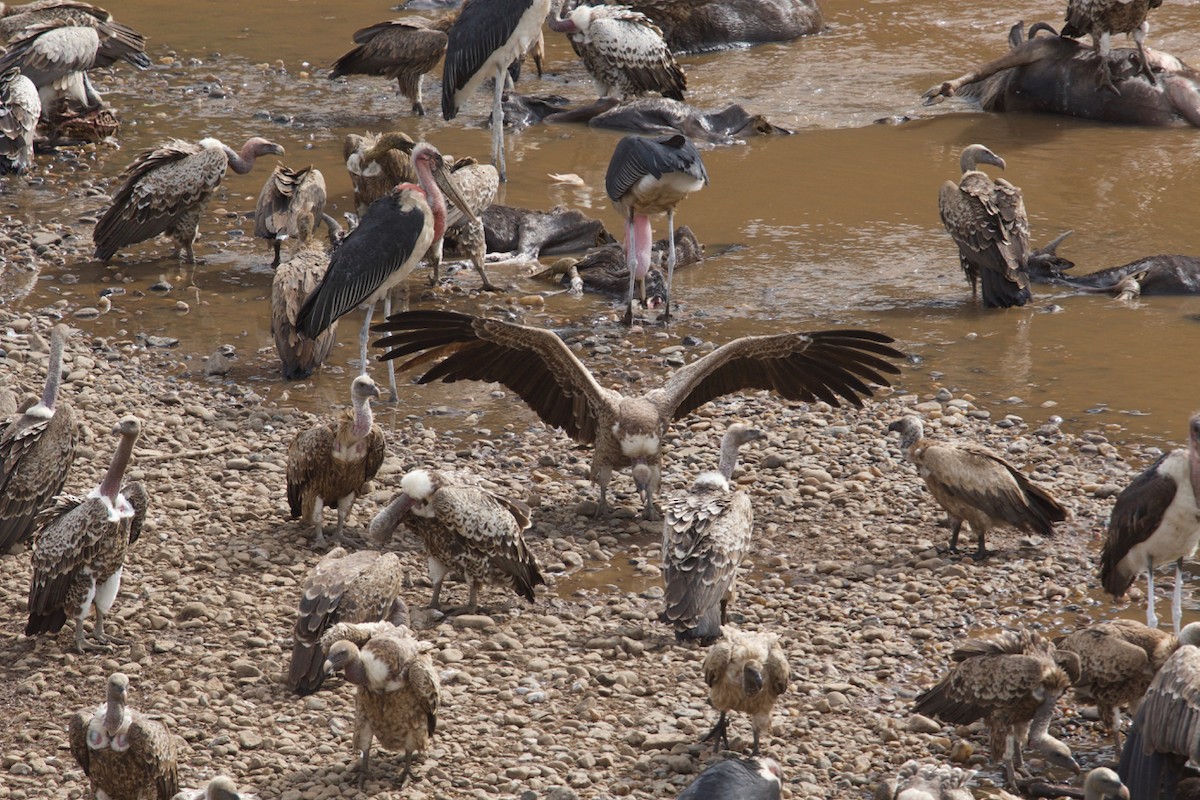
(635, 157)
(481, 28)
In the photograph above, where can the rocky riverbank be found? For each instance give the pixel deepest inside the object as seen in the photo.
(582, 694)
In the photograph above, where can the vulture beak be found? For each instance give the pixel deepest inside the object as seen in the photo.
(447, 184)
(991, 158)
(752, 679)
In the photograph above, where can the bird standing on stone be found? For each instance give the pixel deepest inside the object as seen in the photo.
(328, 464)
(744, 672)
(988, 223)
(165, 190)
(974, 484)
(706, 533)
(1100, 19)
(628, 431)
(79, 552)
(20, 108)
(398, 689)
(403, 49)
(124, 754)
(465, 529)
(290, 204)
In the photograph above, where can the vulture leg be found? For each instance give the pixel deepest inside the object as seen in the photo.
(981, 551)
(719, 735)
(498, 124)
(479, 255)
(1139, 36)
(437, 574)
(319, 538)
(342, 510)
(418, 106)
(1112, 716)
(100, 636)
(363, 765)
(955, 529)
(1177, 598)
(754, 748)
(407, 773)
(391, 365)
(1151, 617)
(666, 315)
(631, 265)
(276, 244)
(1104, 48)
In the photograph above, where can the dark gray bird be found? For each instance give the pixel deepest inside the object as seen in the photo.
(487, 37)
(1156, 521)
(706, 532)
(79, 552)
(403, 49)
(651, 176)
(737, 779)
(1100, 19)
(37, 448)
(833, 366)
(124, 754)
(20, 108)
(290, 204)
(988, 223)
(974, 484)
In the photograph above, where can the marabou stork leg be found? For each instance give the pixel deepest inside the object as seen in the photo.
(391, 365)
(631, 265)
(1177, 598)
(363, 337)
(498, 123)
(1139, 36)
(666, 315)
(1151, 617)
(719, 735)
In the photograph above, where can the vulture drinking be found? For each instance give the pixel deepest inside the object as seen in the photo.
(737, 779)
(1012, 681)
(398, 690)
(1100, 19)
(37, 448)
(343, 587)
(1155, 521)
(124, 754)
(20, 107)
(79, 552)
(987, 221)
(290, 205)
(745, 672)
(328, 464)
(706, 533)
(403, 49)
(975, 485)
(165, 190)
(651, 176)
(465, 529)
(627, 431)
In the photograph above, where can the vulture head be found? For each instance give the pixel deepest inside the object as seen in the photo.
(1103, 784)
(911, 430)
(976, 154)
(115, 701)
(344, 656)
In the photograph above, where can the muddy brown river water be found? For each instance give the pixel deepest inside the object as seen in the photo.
(836, 225)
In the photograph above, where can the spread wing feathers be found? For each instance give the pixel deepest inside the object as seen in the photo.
(74, 533)
(636, 157)
(393, 49)
(290, 203)
(294, 280)
(1138, 512)
(385, 247)
(534, 363)
(77, 735)
(987, 221)
(20, 107)
(819, 365)
(984, 480)
(482, 523)
(705, 536)
(153, 747)
(625, 50)
(49, 51)
(358, 587)
(139, 498)
(1169, 717)
(478, 184)
(157, 190)
(35, 456)
(480, 29)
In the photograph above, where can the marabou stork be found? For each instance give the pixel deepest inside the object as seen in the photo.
(487, 37)
(650, 176)
(394, 235)
(1155, 521)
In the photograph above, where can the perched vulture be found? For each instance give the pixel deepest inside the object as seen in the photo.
(20, 107)
(79, 552)
(706, 532)
(165, 190)
(1100, 19)
(1156, 520)
(37, 448)
(975, 485)
(398, 689)
(124, 754)
(403, 49)
(745, 672)
(1012, 681)
(343, 587)
(627, 431)
(328, 464)
(290, 205)
(988, 223)
(737, 779)
(465, 529)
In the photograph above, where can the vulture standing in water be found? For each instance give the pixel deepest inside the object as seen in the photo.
(79, 552)
(1162, 740)
(477, 184)
(465, 529)
(165, 190)
(737, 779)
(221, 787)
(974, 484)
(1100, 19)
(376, 163)
(987, 221)
(20, 108)
(1156, 521)
(329, 463)
(290, 205)
(398, 689)
(706, 532)
(37, 448)
(745, 672)
(1011, 680)
(622, 50)
(343, 587)
(627, 431)
(403, 49)
(294, 280)
(124, 754)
